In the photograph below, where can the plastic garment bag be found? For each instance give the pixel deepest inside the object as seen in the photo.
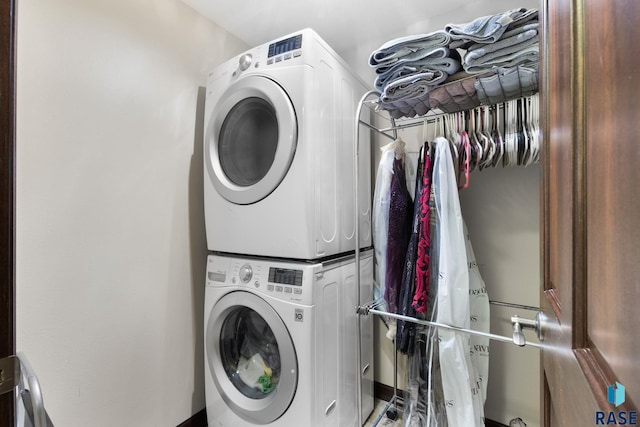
(415, 414)
(463, 399)
(479, 316)
(380, 217)
(424, 398)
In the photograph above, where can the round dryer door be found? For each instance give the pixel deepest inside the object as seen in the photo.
(251, 357)
(250, 140)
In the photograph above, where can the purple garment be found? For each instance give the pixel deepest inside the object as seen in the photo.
(400, 216)
(405, 335)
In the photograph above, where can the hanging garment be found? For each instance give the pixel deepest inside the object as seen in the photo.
(399, 229)
(380, 217)
(420, 297)
(405, 338)
(459, 379)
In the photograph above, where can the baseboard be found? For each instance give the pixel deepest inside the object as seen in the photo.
(490, 423)
(198, 420)
(385, 392)
(380, 391)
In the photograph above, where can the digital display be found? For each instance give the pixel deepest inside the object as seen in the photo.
(287, 45)
(285, 276)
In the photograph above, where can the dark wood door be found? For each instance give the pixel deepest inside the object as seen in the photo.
(591, 248)
(7, 198)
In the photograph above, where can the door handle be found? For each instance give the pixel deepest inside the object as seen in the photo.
(520, 323)
(330, 408)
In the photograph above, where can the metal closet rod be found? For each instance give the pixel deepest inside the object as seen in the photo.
(413, 122)
(429, 119)
(513, 305)
(367, 310)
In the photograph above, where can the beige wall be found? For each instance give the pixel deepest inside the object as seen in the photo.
(110, 229)
(502, 211)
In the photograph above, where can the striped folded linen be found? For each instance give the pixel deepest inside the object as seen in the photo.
(488, 29)
(406, 47)
(441, 64)
(511, 40)
(523, 55)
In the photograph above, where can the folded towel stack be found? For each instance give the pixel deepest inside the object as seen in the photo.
(410, 69)
(488, 29)
(423, 60)
(517, 44)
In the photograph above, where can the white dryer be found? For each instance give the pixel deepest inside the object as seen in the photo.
(278, 152)
(279, 342)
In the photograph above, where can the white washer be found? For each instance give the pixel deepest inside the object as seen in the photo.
(278, 152)
(279, 342)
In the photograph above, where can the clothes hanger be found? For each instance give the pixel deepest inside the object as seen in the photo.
(486, 133)
(482, 137)
(465, 166)
(468, 128)
(511, 158)
(498, 121)
(473, 132)
(535, 127)
(526, 126)
(453, 138)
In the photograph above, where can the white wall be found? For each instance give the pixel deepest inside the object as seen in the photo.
(110, 229)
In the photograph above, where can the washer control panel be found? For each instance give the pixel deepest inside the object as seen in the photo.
(280, 280)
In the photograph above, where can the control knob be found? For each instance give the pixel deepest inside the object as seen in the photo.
(245, 61)
(245, 273)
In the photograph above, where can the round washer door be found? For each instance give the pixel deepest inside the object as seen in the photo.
(251, 357)
(250, 140)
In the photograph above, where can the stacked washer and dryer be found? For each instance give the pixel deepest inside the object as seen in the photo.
(280, 299)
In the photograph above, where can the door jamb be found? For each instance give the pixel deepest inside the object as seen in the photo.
(7, 194)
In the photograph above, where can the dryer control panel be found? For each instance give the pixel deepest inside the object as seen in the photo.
(283, 50)
(286, 45)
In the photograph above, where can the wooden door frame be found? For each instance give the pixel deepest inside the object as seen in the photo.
(7, 194)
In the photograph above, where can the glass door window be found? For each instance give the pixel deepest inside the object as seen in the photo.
(251, 357)
(249, 353)
(250, 140)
